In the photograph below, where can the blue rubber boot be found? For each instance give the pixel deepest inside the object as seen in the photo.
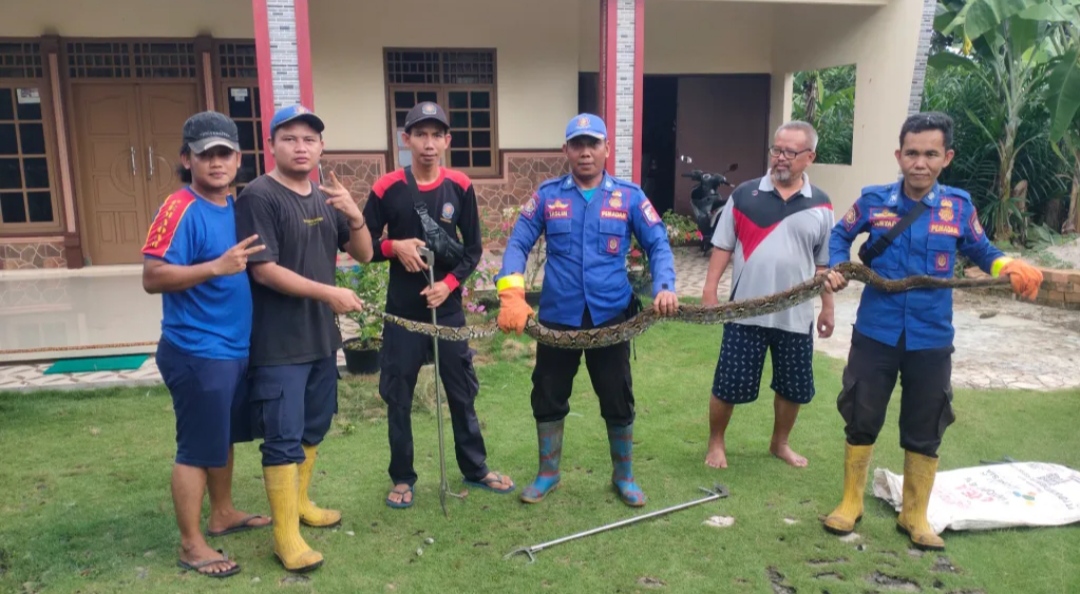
(621, 440)
(549, 435)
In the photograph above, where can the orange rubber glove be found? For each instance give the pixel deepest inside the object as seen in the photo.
(1025, 278)
(514, 312)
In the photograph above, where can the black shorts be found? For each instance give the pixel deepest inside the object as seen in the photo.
(742, 358)
(925, 393)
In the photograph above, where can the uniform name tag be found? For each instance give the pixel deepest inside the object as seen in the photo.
(620, 215)
(945, 229)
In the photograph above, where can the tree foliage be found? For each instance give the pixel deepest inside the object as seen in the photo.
(1007, 71)
(826, 99)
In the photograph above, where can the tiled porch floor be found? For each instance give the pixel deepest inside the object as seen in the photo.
(45, 311)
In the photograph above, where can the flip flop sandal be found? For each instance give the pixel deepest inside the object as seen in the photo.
(486, 483)
(403, 504)
(197, 566)
(239, 527)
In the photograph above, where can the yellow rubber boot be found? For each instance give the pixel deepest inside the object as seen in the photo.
(309, 513)
(842, 520)
(919, 473)
(282, 489)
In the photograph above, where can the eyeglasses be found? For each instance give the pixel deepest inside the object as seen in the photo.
(788, 153)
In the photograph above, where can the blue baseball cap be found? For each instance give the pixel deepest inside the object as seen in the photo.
(295, 112)
(586, 124)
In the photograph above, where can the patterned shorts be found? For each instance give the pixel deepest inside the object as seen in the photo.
(742, 357)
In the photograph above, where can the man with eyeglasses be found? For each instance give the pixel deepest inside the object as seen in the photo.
(776, 232)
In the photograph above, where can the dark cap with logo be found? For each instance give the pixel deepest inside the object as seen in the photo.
(424, 111)
(203, 131)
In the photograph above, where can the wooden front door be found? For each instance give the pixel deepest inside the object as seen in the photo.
(129, 138)
(721, 120)
(163, 110)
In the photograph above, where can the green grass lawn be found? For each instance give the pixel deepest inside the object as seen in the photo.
(85, 506)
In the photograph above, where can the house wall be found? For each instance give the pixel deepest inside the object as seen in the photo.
(691, 37)
(882, 42)
(536, 47)
(126, 18)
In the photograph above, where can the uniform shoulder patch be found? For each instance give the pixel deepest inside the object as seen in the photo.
(651, 217)
(166, 222)
(528, 210)
(976, 227)
(851, 217)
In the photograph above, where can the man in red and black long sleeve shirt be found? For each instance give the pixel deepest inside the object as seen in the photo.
(451, 201)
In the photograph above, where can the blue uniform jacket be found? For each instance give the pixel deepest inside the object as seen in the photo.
(587, 243)
(929, 246)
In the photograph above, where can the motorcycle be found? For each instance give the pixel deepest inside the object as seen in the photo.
(706, 200)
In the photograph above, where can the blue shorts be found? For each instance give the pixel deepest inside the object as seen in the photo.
(210, 401)
(742, 358)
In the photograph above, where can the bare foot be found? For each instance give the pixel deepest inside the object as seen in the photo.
(400, 494)
(199, 553)
(716, 456)
(785, 453)
(220, 521)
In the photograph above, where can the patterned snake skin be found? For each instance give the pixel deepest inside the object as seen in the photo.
(695, 314)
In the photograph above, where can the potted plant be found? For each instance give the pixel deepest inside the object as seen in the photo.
(369, 282)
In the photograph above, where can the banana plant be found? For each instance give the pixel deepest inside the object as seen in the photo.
(1025, 45)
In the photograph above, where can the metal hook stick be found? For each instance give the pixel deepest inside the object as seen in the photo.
(444, 487)
(717, 492)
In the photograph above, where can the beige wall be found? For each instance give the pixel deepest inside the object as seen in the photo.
(691, 37)
(707, 37)
(126, 18)
(882, 42)
(536, 51)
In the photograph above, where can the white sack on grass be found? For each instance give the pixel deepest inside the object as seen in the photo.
(993, 496)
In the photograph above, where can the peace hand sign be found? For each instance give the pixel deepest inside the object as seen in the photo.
(340, 198)
(235, 259)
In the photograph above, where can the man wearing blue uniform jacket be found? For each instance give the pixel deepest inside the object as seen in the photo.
(909, 333)
(588, 218)
(193, 259)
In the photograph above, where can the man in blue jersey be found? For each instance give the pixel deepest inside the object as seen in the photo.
(193, 259)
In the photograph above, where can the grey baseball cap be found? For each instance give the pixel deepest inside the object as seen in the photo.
(208, 129)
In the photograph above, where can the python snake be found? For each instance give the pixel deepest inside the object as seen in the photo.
(695, 314)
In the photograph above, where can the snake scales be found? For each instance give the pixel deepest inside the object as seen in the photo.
(694, 314)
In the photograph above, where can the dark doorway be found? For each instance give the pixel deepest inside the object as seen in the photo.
(723, 119)
(658, 158)
(588, 92)
(716, 119)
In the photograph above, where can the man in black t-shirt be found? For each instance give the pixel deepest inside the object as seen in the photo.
(294, 337)
(449, 198)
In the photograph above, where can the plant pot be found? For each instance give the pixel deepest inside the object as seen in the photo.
(532, 298)
(361, 359)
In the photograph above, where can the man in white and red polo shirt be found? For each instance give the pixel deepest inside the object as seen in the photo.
(776, 232)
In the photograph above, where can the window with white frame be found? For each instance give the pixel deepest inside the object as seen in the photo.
(462, 81)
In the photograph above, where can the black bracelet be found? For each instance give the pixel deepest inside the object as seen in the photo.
(351, 228)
